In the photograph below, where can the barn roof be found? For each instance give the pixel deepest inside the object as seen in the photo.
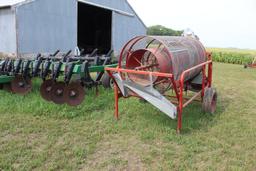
(10, 3)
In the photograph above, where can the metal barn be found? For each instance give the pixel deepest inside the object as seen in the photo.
(32, 26)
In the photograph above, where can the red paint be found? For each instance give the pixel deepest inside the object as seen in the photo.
(116, 102)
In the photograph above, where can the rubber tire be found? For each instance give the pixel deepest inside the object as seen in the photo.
(210, 100)
(107, 81)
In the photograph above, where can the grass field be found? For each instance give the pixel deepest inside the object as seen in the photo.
(36, 135)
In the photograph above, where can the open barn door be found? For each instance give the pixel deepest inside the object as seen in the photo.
(94, 28)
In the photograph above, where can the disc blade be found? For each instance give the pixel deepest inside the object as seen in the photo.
(74, 94)
(21, 86)
(7, 87)
(57, 93)
(45, 90)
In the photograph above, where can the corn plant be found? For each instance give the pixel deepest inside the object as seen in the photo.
(232, 57)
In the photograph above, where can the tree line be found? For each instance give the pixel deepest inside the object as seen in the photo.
(159, 30)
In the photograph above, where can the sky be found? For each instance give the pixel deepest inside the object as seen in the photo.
(218, 23)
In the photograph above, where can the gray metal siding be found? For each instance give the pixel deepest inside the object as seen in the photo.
(47, 25)
(124, 29)
(116, 4)
(7, 31)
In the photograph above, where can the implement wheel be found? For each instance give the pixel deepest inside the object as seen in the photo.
(210, 100)
(74, 94)
(21, 85)
(45, 89)
(107, 81)
(57, 93)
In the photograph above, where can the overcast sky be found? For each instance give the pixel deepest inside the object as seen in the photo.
(218, 23)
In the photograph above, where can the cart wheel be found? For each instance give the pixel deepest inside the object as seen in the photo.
(245, 66)
(210, 100)
(107, 81)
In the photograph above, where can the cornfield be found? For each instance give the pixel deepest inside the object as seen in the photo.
(233, 56)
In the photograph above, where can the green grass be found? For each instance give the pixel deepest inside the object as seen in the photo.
(233, 56)
(36, 135)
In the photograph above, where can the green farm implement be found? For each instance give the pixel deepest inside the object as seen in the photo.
(64, 77)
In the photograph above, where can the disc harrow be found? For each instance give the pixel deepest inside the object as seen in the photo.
(64, 77)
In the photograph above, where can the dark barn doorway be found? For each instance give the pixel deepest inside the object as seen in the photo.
(94, 28)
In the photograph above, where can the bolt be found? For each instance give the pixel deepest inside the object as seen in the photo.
(21, 84)
(72, 93)
(59, 92)
(48, 89)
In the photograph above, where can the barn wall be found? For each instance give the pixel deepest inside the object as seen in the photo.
(7, 31)
(124, 29)
(47, 25)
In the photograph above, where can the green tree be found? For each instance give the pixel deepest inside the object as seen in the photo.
(162, 31)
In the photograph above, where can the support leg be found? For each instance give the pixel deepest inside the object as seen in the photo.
(210, 75)
(116, 102)
(179, 125)
(203, 82)
(180, 108)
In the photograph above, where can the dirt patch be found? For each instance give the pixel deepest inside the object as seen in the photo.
(117, 153)
(130, 153)
(35, 141)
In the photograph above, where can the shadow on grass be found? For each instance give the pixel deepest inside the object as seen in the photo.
(33, 104)
(132, 112)
(193, 118)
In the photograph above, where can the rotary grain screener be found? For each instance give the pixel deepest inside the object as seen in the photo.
(161, 71)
